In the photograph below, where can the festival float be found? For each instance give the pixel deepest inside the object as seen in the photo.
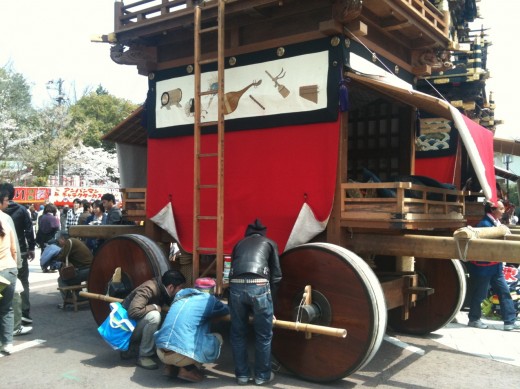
(319, 118)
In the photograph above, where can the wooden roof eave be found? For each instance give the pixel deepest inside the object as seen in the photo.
(506, 146)
(129, 131)
(407, 96)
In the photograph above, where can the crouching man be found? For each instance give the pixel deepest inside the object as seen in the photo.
(184, 340)
(144, 305)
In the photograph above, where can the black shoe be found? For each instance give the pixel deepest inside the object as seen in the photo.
(27, 319)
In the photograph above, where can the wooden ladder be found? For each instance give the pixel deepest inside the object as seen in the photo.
(199, 187)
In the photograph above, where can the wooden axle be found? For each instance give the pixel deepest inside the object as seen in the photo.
(288, 325)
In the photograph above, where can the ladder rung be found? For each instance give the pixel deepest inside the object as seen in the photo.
(207, 217)
(208, 29)
(206, 249)
(208, 92)
(207, 124)
(208, 155)
(209, 5)
(207, 186)
(207, 61)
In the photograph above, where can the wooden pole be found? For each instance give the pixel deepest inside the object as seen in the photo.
(419, 246)
(288, 325)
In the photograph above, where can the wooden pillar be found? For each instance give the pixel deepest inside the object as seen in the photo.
(333, 232)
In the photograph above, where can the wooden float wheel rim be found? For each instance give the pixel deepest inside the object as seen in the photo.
(138, 256)
(357, 304)
(434, 311)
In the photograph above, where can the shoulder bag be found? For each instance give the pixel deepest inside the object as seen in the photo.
(68, 271)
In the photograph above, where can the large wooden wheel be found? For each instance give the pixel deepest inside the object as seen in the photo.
(139, 258)
(346, 294)
(436, 310)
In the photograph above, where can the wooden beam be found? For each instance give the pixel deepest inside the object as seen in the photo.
(435, 247)
(357, 28)
(104, 232)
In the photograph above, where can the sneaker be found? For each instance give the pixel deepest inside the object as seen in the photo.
(8, 349)
(23, 330)
(511, 327)
(260, 381)
(27, 319)
(244, 380)
(477, 324)
(147, 363)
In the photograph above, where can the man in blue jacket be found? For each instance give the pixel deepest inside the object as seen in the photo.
(185, 339)
(482, 274)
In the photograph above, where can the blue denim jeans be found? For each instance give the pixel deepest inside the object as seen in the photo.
(481, 278)
(243, 300)
(6, 307)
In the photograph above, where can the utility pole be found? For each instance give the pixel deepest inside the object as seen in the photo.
(507, 159)
(60, 99)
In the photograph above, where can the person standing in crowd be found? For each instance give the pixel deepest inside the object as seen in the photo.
(25, 233)
(33, 213)
(63, 217)
(254, 277)
(114, 215)
(18, 328)
(96, 219)
(73, 214)
(87, 211)
(144, 305)
(48, 225)
(482, 274)
(184, 340)
(8, 270)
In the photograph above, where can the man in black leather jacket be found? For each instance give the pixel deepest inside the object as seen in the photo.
(254, 277)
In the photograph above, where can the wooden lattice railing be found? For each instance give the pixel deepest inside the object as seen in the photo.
(401, 205)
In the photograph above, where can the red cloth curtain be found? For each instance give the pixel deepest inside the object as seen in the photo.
(269, 174)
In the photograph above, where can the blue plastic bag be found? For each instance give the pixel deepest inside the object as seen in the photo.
(117, 328)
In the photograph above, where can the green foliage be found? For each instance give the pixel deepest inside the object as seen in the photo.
(100, 112)
(16, 113)
(38, 143)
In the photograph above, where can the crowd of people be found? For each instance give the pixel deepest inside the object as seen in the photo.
(173, 322)
(47, 229)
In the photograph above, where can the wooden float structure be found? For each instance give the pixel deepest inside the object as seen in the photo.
(380, 253)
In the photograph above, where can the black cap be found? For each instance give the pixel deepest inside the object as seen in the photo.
(256, 228)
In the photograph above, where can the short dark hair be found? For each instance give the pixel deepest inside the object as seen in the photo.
(98, 204)
(62, 234)
(173, 277)
(3, 193)
(109, 197)
(77, 200)
(9, 188)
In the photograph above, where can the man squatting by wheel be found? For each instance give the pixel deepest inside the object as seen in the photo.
(185, 341)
